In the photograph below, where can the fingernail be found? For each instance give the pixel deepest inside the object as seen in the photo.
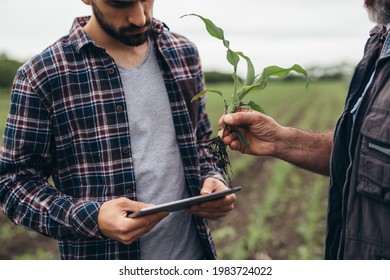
(228, 118)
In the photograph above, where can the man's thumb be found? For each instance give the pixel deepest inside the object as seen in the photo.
(228, 119)
(237, 119)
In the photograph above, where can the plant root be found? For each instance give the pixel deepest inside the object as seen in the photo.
(220, 154)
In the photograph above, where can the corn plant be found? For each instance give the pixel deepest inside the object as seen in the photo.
(253, 84)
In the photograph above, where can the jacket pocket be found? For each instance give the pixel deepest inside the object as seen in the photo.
(379, 148)
(374, 163)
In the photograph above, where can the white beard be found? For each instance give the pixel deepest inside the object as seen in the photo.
(379, 11)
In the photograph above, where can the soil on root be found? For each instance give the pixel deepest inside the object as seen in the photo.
(218, 149)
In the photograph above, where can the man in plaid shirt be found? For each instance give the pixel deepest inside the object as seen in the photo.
(105, 111)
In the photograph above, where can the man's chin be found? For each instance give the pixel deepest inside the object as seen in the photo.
(135, 40)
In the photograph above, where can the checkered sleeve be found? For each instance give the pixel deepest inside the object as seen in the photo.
(26, 196)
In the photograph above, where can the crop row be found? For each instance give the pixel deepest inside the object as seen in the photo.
(287, 205)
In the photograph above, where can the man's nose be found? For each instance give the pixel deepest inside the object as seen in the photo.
(137, 15)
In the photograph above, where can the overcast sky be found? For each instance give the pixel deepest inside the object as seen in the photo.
(282, 32)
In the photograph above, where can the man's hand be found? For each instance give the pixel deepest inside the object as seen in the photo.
(114, 223)
(306, 149)
(262, 132)
(215, 209)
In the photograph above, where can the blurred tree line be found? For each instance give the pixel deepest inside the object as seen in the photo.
(8, 68)
(342, 71)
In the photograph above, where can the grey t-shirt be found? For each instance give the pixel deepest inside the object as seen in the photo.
(158, 165)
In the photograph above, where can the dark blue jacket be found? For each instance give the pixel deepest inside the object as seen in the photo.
(359, 195)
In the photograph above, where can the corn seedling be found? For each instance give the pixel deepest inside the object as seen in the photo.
(253, 84)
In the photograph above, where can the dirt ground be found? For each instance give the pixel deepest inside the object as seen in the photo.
(239, 218)
(285, 240)
(18, 243)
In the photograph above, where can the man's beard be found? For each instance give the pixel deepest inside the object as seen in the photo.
(379, 11)
(123, 34)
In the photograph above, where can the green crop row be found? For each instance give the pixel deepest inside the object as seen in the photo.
(287, 221)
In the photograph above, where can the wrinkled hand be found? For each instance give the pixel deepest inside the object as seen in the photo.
(114, 223)
(215, 209)
(262, 132)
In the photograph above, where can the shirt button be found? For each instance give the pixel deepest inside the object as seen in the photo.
(125, 150)
(119, 108)
(129, 191)
(111, 71)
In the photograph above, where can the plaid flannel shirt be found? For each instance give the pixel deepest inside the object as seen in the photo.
(68, 120)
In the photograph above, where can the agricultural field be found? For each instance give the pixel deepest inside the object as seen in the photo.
(280, 212)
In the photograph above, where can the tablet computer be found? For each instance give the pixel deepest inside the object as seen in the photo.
(183, 203)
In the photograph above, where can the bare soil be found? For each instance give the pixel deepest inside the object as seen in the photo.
(18, 243)
(285, 241)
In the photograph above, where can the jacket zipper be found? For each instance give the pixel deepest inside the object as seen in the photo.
(343, 194)
(331, 183)
(347, 173)
(373, 146)
(349, 168)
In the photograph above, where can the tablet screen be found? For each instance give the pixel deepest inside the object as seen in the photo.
(183, 203)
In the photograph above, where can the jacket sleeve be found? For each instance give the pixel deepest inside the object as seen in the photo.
(26, 163)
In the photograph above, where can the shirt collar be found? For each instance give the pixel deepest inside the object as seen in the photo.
(78, 37)
(386, 43)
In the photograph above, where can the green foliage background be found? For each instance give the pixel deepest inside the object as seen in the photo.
(8, 68)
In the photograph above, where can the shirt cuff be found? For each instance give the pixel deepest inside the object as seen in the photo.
(84, 220)
(216, 175)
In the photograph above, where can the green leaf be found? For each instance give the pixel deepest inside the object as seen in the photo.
(262, 82)
(279, 72)
(237, 85)
(233, 58)
(256, 107)
(217, 32)
(241, 137)
(252, 105)
(211, 28)
(205, 91)
(255, 88)
(226, 106)
(251, 74)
